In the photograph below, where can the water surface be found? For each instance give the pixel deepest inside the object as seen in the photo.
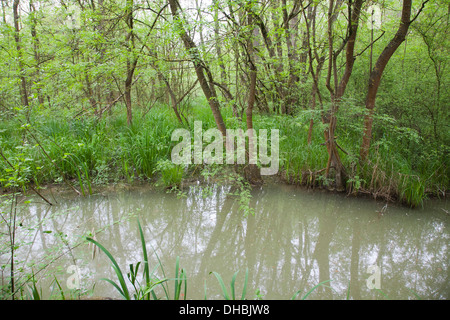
(294, 240)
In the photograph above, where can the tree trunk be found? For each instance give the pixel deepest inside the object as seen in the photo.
(291, 31)
(334, 160)
(35, 40)
(131, 60)
(377, 72)
(251, 171)
(89, 92)
(314, 94)
(23, 83)
(200, 67)
(277, 68)
(310, 22)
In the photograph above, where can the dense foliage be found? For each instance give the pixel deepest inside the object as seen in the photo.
(92, 90)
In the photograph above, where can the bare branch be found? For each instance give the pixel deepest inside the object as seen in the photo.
(418, 12)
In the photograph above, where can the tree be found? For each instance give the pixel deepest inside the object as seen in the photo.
(132, 58)
(23, 81)
(206, 81)
(377, 72)
(338, 89)
(431, 28)
(251, 171)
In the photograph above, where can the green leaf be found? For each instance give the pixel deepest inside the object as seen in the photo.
(144, 252)
(124, 292)
(233, 280)
(222, 285)
(244, 290)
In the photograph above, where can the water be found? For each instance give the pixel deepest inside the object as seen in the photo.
(295, 240)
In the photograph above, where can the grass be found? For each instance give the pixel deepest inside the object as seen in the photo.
(170, 173)
(84, 152)
(232, 286)
(145, 290)
(310, 291)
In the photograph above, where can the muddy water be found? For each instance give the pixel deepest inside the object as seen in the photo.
(294, 240)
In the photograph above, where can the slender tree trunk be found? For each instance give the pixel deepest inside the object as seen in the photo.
(310, 22)
(291, 31)
(200, 68)
(131, 61)
(334, 160)
(251, 171)
(279, 83)
(3, 13)
(89, 92)
(37, 58)
(314, 94)
(23, 82)
(279, 67)
(377, 72)
(223, 73)
(173, 98)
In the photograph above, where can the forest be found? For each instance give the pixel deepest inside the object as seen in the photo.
(357, 90)
(92, 90)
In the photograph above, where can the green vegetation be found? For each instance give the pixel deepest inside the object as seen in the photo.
(86, 153)
(91, 92)
(145, 290)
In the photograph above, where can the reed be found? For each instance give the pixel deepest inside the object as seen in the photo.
(232, 286)
(310, 291)
(122, 288)
(150, 281)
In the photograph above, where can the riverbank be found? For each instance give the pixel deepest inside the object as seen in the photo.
(82, 153)
(51, 191)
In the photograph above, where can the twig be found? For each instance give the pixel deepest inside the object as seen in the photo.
(368, 46)
(340, 148)
(39, 194)
(418, 12)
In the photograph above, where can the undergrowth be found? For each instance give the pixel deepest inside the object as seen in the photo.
(85, 152)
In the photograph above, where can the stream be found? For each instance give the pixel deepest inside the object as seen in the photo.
(360, 248)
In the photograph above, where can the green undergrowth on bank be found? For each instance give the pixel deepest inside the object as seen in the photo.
(85, 152)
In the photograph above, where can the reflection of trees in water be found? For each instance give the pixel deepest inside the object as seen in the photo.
(295, 240)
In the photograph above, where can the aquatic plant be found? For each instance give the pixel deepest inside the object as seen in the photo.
(170, 173)
(232, 286)
(145, 290)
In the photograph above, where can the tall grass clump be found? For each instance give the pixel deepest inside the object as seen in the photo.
(170, 173)
(232, 295)
(146, 142)
(301, 162)
(146, 285)
(86, 150)
(408, 174)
